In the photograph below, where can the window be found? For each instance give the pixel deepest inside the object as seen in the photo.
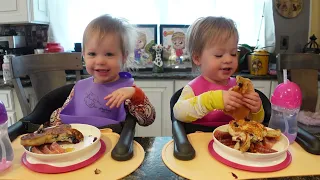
(69, 18)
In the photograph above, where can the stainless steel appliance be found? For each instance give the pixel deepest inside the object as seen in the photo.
(11, 42)
(11, 45)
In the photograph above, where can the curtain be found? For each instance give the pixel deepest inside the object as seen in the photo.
(254, 18)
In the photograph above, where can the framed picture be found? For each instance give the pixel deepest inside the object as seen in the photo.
(173, 38)
(147, 37)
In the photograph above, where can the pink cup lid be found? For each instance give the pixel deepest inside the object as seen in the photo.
(287, 95)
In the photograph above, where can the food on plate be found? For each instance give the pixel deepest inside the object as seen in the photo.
(53, 148)
(63, 132)
(248, 136)
(44, 141)
(244, 85)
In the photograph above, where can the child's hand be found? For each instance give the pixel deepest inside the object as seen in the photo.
(231, 100)
(116, 98)
(252, 101)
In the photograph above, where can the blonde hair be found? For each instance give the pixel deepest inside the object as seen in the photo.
(143, 37)
(177, 35)
(209, 30)
(105, 24)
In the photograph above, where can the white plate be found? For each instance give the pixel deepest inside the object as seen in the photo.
(89, 133)
(252, 159)
(70, 162)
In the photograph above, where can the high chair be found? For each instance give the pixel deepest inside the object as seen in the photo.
(48, 78)
(183, 150)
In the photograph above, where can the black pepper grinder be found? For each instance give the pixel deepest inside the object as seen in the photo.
(312, 46)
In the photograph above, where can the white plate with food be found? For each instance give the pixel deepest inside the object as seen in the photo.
(61, 143)
(251, 144)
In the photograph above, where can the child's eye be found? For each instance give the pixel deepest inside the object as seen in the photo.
(180, 43)
(233, 54)
(218, 56)
(91, 54)
(109, 54)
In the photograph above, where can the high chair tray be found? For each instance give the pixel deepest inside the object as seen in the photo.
(109, 168)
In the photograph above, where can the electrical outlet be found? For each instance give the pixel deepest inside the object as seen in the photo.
(284, 42)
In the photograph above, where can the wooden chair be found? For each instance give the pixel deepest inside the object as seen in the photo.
(304, 69)
(46, 72)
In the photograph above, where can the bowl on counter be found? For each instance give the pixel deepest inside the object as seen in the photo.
(252, 159)
(91, 142)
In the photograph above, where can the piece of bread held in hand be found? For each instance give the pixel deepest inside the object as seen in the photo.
(244, 86)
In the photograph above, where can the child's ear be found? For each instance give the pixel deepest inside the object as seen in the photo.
(196, 59)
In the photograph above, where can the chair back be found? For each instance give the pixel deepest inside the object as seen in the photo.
(46, 72)
(304, 70)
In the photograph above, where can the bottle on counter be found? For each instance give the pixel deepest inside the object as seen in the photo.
(6, 151)
(7, 69)
(53, 48)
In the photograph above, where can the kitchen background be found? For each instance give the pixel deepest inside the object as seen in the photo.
(296, 28)
(159, 87)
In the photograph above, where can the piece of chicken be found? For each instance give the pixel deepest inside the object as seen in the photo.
(247, 132)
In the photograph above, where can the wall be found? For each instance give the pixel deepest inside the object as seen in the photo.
(296, 28)
(314, 19)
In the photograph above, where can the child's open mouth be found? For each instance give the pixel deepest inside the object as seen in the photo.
(226, 69)
(102, 71)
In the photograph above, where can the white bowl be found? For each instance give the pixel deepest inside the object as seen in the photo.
(252, 159)
(89, 133)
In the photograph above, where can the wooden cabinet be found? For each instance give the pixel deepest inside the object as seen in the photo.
(6, 96)
(274, 84)
(263, 86)
(24, 11)
(178, 84)
(159, 93)
(12, 118)
(31, 96)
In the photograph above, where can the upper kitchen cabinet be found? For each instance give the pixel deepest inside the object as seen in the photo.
(24, 11)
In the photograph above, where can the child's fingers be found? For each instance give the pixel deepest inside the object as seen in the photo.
(253, 96)
(250, 106)
(120, 101)
(229, 108)
(115, 102)
(236, 100)
(107, 97)
(113, 97)
(236, 94)
(250, 101)
(234, 105)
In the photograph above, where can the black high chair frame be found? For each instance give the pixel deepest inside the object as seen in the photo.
(55, 99)
(183, 150)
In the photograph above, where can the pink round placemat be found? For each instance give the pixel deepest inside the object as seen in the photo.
(48, 169)
(277, 167)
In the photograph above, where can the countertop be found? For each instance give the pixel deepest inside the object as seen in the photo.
(154, 168)
(149, 75)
